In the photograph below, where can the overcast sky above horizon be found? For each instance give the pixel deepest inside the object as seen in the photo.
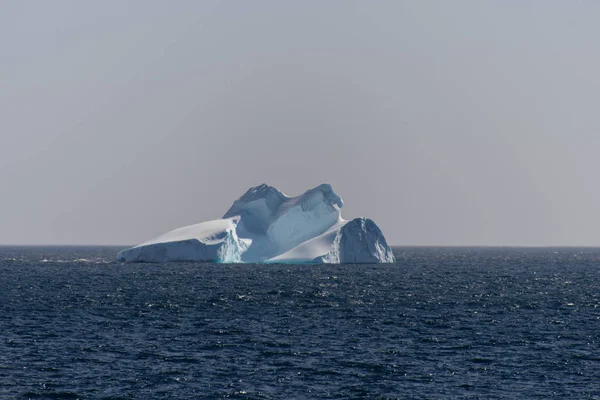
(448, 123)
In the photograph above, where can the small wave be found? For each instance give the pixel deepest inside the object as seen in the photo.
(51, 395)
(93, 261)
(75, 260)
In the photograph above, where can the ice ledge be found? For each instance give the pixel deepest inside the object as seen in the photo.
(215, 241)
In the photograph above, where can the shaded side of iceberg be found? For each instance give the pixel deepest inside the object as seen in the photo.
(359, 241)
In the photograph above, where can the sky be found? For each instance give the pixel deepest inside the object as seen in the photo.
(446, 122)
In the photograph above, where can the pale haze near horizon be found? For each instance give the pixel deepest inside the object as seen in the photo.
(448, 123)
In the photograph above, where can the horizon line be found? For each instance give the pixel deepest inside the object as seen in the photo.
(391, 245)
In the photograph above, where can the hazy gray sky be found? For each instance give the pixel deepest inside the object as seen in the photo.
(447, 122)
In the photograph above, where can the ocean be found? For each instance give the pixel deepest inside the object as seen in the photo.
(441, 323)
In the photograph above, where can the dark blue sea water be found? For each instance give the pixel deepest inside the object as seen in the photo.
(441, 323)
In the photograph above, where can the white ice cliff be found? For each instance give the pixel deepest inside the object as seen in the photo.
(265, 225)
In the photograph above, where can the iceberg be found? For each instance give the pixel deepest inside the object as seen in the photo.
(266, 226)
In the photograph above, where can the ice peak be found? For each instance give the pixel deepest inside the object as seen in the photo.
(259, 191)
(329, 194)
(274, 198)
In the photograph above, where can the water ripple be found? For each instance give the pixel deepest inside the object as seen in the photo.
(441, 323)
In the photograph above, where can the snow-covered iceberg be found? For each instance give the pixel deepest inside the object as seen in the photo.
(265, 225)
